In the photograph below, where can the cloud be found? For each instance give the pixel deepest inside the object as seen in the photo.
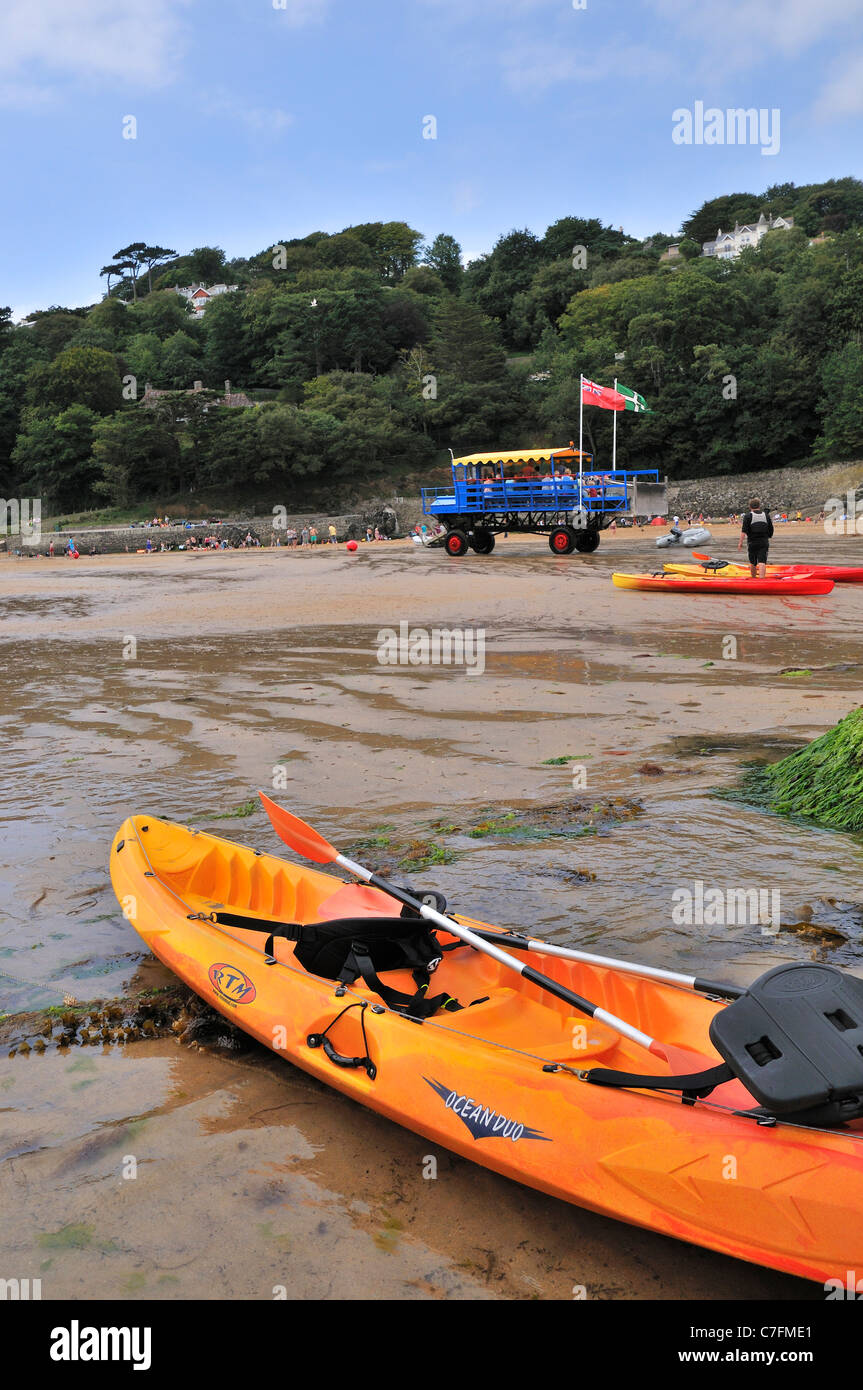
(745, 33)
(90, 38)
(531, 68)
(842, 94)
(260, 119)
(465, 196)
(298, 13)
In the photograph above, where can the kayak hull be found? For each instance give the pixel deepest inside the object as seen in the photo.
(475, 1082)
(840, 574)
(691, 583)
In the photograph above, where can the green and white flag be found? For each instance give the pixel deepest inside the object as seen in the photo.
(633, 401)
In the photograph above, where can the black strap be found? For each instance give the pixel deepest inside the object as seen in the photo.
(288, 931)
(359, 964)
(305, 933)
(694, 1086)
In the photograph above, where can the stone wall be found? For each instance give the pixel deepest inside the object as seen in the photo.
(780, 489)
(117, 540)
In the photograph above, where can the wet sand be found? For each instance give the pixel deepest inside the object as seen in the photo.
(250, 666)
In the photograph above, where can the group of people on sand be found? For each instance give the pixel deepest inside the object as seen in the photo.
(307, 535)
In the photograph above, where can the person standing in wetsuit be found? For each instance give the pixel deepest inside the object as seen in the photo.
(758, 529)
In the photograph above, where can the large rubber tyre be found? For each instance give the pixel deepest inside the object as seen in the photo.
(482, 541)
(562, 540)
(587, 541)
(455, 544)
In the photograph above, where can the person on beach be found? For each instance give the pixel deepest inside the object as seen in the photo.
(304, 536)
(332, 533)
(757, 528)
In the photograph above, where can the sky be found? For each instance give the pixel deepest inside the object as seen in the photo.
(260, 120)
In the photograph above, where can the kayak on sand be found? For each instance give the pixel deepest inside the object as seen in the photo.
(549, 1077)
(840, 574)
(699, 582)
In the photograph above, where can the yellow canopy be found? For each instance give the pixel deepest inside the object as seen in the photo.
(541, 455)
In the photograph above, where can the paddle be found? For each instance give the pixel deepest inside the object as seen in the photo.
(308, 842)
(300, 838)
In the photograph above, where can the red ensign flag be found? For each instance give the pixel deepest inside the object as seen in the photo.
(604, 396)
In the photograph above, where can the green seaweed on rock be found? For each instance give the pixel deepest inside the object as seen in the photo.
(821, 783)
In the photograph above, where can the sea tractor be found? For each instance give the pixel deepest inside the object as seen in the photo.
(550, 492)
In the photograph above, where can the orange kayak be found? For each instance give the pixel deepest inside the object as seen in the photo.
(501, 1080)
(700, 583)
(840, 574)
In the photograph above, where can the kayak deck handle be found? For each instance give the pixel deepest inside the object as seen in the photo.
(339, 1059)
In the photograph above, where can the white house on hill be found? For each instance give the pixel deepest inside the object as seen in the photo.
(199, 296)
(728, 245)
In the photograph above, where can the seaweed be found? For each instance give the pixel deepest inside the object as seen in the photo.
(821, 783)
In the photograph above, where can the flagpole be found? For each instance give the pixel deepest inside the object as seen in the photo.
(614, 444)
(580, 426)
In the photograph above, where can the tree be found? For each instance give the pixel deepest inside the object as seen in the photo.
(465, 344)
(164, 313)
(130, 259)
(53, 329)
(154, 255)
(207, 264)
(841, 434)
(226, 346)
(54, 457)
(136, 457)
(443, 256)
(142, 357)
(181, 361)
(77, 376)
(703, 224)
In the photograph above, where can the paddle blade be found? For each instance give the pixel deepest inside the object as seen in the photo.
(299, 836)
(700, 555)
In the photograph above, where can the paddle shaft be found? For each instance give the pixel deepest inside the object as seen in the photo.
(527, 972)
(525, 943)
(649, 972)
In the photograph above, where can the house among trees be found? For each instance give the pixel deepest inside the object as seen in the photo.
(199, 296)
(236, 400)
(728, 245)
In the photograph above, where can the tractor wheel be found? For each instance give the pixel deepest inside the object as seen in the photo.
(455, 544)
(587, 541)
(482, 541)
(562, 540)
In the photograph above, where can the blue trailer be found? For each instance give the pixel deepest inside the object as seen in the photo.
(553, 492)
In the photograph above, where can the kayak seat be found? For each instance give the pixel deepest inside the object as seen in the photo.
(358, 900)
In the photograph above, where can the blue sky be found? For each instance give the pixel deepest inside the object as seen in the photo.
(259, 120)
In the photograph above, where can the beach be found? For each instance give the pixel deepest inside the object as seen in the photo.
(179, 683)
